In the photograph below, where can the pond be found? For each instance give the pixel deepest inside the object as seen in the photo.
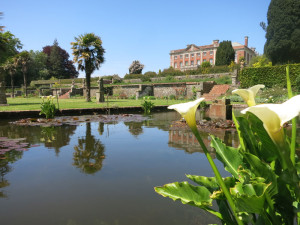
(96, 173)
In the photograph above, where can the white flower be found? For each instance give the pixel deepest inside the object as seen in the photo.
(249, 94)
(275, 115)
(188, 111)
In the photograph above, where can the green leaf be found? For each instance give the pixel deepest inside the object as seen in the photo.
(256, 139)
(187, 193)
(249, 198)
(229, 156)
(211, 183)
(261, 169)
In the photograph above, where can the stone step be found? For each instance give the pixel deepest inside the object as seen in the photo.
(216, 91)
(65, 95)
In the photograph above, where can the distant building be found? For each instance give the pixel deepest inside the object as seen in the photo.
(192, 56)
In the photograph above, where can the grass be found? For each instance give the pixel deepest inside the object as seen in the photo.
(20, 104)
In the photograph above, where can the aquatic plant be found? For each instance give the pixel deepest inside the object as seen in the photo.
(48, 108)
(264, 184)
(147, 106)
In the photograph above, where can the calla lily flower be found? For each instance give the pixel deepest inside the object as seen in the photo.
(275, 115)
(249, 94)
(188, 111)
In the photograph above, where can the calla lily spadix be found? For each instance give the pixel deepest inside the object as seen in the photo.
(249, 94)
(274, 116)
(188, 111)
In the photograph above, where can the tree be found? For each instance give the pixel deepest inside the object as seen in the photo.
(11, 66)
(225, 54)
(136, 67)
(38, 69)
(58, 64)
(283, 31)
(23, 60)
(88, 54)
(9, 46)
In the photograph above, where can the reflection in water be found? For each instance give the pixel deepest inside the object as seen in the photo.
(56, 137)
(183, 139)
(137, 158)
(5, 161)
(135, 128)
(89, 153)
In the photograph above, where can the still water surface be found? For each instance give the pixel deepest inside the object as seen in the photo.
(101, 174)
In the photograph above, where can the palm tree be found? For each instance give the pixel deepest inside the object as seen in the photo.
(88, 54)
(11, 67)
(89, 153)
(24, 59)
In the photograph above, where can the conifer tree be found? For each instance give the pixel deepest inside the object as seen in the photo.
(225, 54)
(283, 31)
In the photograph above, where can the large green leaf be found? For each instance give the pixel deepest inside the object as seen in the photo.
(261, 169)
(249, 198)
(256, 139)
(229, 156)
(211, 183)
(189, 194)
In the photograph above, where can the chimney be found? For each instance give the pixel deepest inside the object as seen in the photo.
(215, 43)
(246, 41)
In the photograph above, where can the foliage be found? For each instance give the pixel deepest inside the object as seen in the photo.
(48, 108)
(259, 61)
(235, 98)
(225, 54)
(206, 64)
(264, 182)
(136, 67)
(88, 54)
(147, 106)
(283, 42)
(9, 46)
(225, 79)
(23, 60)
(277, 93)
(269, 76)
(58, 63)
(205, 67)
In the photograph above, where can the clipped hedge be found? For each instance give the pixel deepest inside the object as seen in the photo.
(269, 76)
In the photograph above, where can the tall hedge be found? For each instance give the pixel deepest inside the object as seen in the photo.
(268, 76)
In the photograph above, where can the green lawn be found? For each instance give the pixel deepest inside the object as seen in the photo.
(20, 104)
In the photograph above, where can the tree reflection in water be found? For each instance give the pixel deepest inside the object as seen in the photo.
(89, 153)
(135, 128)
(6, 159)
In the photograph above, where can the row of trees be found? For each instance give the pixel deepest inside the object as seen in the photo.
(52, 61)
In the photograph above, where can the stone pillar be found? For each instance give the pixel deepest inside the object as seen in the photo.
(221, 109)
(234, 77)
(101, 90)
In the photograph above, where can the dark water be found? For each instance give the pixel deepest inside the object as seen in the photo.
(101, 174)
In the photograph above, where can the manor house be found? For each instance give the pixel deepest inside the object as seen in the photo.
(192, 56)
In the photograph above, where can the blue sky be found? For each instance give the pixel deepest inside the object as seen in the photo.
(135, 30)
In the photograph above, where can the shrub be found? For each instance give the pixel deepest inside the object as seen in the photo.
(172, 97)
(147, 106)
(48, 107)
(269, 76)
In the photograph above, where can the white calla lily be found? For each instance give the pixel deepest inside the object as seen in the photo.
(249, 94)
(275, 115)
(188, 111)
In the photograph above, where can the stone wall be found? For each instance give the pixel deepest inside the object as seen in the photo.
(161, 90)
(199, 77)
